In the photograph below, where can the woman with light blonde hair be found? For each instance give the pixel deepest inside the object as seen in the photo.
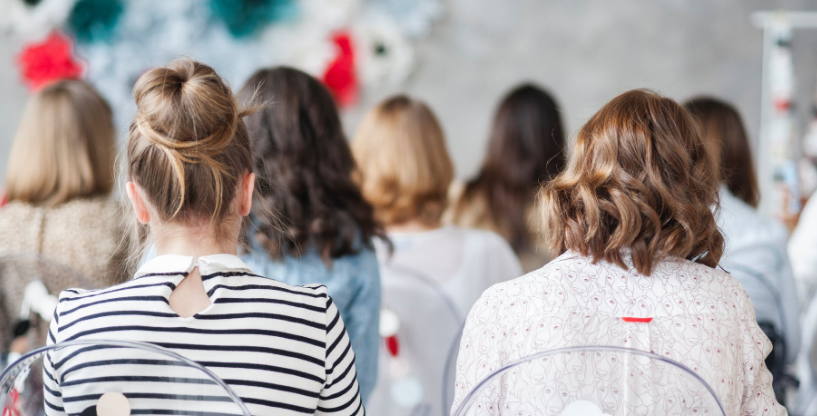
(405, 172)
(632, 215)
(58, 185)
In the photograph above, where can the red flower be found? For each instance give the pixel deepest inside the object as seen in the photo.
(340, 75)
(48, 61)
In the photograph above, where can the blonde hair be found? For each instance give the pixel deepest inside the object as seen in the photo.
(404, 167)
(64, 147)
(639, 178)
(187, 147)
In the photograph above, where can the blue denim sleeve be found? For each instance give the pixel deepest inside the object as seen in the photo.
(363, 322)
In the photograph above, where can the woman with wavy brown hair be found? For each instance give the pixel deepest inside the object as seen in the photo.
(304, 168)
(632, 215)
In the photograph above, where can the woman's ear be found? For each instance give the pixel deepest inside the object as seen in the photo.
(139, 206)
(247, 189)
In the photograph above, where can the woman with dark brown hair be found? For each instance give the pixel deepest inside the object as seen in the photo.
(526, 149)
(304, 168)
(755, 250)
(633, 217)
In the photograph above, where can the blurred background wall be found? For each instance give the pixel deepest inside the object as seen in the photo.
(584, 51)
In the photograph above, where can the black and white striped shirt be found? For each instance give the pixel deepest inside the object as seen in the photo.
(283, 349)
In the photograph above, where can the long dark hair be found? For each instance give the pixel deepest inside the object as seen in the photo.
(526, 148)
(304, 167)
(723, 130)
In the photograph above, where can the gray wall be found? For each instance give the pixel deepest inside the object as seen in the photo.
(584, 51)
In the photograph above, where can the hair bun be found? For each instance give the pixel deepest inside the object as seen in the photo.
(186, 107)
(188, 145)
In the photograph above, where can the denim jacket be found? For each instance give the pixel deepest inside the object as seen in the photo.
(353, 282)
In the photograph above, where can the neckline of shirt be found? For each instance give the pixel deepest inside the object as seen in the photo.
(179, 264)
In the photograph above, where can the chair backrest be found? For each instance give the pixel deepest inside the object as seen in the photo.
(760, 287)
(145, 378)
(416, 364)
(806, 401)
(591, 381)
(765, 297)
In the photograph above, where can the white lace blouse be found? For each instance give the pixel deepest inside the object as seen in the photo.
(701, 317)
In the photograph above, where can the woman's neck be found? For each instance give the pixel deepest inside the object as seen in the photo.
(413, 226)
(192, 241)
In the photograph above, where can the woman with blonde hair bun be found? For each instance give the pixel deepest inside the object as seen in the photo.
(283, 349)
(632, 216)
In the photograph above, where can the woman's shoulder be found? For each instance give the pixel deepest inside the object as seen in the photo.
(311, 267)
(98, 208)
(15, 211)
(246, 278)
(482, 234)
(740, 223)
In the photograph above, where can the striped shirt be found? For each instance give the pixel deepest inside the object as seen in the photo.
(283, 349)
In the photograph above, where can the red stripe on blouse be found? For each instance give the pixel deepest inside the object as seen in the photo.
(631, 319)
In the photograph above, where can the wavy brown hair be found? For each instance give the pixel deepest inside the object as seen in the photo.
(639, 178)
(304, 170)
(723, 131)
(526, 149)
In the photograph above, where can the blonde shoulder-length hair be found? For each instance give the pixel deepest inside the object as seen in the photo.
(404, 167)
(64, 147)
(639, 179)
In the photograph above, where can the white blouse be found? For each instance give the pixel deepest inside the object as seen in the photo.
(462, 261)
(283, 349)
(701, 317)
(430, 281)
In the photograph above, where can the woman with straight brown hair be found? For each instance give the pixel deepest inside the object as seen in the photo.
(283, 349)
(632, 214)
(725, 136)
(755, 245)
(58, 185)
(526, 149)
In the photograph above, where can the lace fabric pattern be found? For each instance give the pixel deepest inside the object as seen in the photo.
(701, 318)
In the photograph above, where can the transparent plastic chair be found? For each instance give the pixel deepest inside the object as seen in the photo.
(806, 399)
(591, 381)
(759, 282)
(113, 378)
(18, 271)
(417, 357)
